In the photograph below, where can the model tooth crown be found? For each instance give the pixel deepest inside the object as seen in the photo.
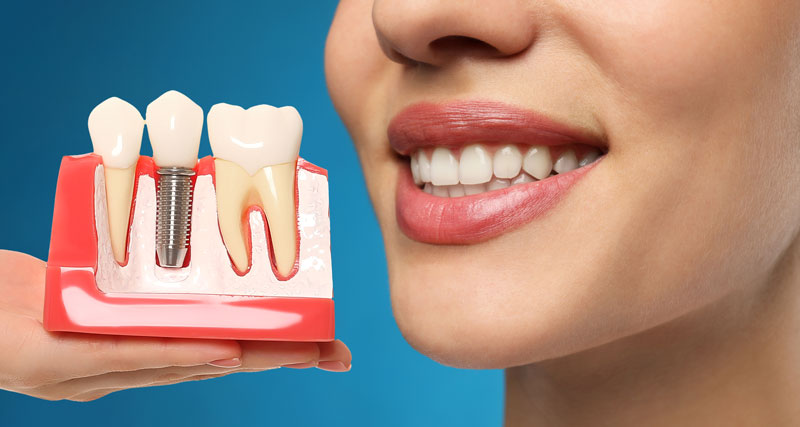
(174, 123)
(260, 136)
(116, 128)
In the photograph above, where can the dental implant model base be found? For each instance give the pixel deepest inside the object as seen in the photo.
(256, 243)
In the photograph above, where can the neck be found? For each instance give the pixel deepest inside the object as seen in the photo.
(733, 362)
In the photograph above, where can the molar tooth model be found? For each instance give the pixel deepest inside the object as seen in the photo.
(232, 247)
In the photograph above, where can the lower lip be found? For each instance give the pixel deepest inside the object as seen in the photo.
(472, 219)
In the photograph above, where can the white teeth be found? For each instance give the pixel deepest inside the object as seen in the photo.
(256, 158)
(589, 158)
(116, 128)
(537, 162)
(475, 165)
(478, 171)
(424, 166)
(456, 190)
(566, 162)
(174, 124)
(415, 170)
(522, 179)
(474, 189)
(498, 183)
(507, 162)
(444, 167)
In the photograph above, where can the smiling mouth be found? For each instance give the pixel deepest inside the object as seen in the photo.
(479, 169)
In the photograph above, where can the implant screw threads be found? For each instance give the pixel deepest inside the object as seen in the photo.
(174, 213)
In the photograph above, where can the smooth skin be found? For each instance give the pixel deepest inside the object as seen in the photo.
(665, 288)
(82, 367)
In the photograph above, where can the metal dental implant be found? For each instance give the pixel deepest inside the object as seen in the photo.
(174, 212)
(174, 124)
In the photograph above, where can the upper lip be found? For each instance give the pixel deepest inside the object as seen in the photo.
(454, 124)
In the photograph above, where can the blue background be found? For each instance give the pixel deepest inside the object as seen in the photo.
(61, 58)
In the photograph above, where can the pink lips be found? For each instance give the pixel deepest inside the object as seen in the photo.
(472, 219)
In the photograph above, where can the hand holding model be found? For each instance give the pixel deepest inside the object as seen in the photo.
(85, 367)
(256, 161)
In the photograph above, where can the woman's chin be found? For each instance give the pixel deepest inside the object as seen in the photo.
(463, 319)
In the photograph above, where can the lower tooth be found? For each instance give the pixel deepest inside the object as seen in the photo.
(522, 179)
(474, 189)
(456, 190)
(565, 162)
(428, 188)
(440, 191)
(498, 183)
(588, 158)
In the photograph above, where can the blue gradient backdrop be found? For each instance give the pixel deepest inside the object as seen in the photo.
(60, 58)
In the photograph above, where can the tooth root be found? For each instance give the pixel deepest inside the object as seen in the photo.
(275, 186)
(119, 196)
(537, 162)
(566, 162)
(233, 188)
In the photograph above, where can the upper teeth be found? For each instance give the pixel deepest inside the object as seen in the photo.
(115, 128)
(477, 170)
(256, 155)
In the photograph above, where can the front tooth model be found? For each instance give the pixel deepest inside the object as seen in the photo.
(256, 156)
(174, 124)
(115, 128)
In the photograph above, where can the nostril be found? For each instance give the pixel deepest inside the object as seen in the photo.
(463, 46)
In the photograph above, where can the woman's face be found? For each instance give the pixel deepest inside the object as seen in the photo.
(694, 105)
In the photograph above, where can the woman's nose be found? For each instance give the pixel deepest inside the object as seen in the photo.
(435, 32)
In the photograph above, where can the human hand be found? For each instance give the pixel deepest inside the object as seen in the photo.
(84, 367)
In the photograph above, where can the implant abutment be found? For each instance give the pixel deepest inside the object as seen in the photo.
(174, 213)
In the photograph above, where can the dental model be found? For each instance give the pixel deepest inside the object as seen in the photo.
(232, 247)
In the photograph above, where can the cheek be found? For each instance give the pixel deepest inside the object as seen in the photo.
(675, 55)
(354, 66)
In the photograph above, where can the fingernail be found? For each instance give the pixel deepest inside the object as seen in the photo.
(300, 365)
(227, 363)
(333, 366)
